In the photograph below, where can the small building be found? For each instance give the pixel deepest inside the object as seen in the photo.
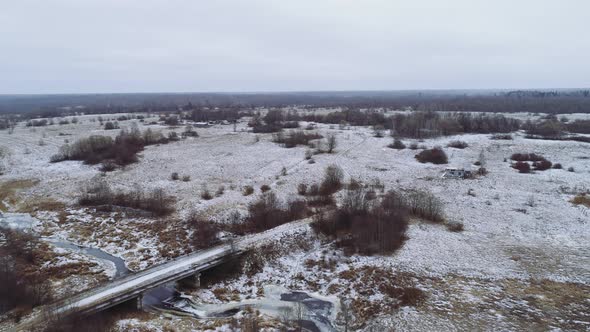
(457, 173)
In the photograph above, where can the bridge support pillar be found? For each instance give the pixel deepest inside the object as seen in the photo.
(197, 279)
(139, 300)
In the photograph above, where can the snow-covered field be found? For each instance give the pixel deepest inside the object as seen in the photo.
(519, 228)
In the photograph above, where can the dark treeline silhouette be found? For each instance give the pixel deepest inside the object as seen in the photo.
(421, 124)
(561, 101)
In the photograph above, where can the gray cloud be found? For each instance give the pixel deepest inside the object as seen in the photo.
(264, 45)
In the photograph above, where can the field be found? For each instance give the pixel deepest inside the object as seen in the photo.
(521, 262)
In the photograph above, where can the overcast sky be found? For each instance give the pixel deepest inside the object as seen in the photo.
(79, 46)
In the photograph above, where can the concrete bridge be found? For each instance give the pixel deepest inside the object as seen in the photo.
(133, 286)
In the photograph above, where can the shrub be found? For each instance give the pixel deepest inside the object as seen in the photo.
(581, 199)
(457, 144)
(174, 176)
(248, 190)
(173, 136)
(522, 167)
(99, 193)
(302, 189)
(527, 157)
(435, 155)
(378, 130)
(366, 228)
(557, 166)
(542, 165)
(22, 284)
(206, 194)
(220, 191)
(413, 146)
(264, 188)
(108, 166)
(189, 131)
(425, 205)
(171, 120)
(268, 212)
(332, 181)
(96, 148)
(501, 137)
(294, 138)
(110, 126)
(186, 178)
(397, 144)
(455, 226)
(570, 169)
(204, 231)
(331, 143)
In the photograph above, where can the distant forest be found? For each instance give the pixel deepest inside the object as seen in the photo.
(553, 102)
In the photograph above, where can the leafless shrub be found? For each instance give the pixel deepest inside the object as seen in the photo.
(435, 155)
(248, 190)
(398, 144)
(332, 181)
(264, 188)
(522, 167)
(268, 212)
(294, 138)
(425, 205)
(331, 142)
(204, 231)
(174, 176)
(205, 193)
(111, 125)
(108, 166)
(99, 193)
(362, 226)
(302, 189)
(457, 144)
(455, 226)
(186, 178)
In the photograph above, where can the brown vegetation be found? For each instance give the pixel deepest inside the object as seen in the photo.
(435, 155)
(99, 193)
(365, 227)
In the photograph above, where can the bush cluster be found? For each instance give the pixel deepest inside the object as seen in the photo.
(294, 138)
(121, 151)
(435, 155)
(269, 211)
(364, 226)
(539, 163)
(99, 193)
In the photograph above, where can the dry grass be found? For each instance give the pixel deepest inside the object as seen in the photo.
(43, 204)
(581, 199)
(10, 189)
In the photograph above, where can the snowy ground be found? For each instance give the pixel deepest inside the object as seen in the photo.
(507, 240)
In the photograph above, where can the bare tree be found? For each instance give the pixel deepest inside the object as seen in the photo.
(331, 142)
